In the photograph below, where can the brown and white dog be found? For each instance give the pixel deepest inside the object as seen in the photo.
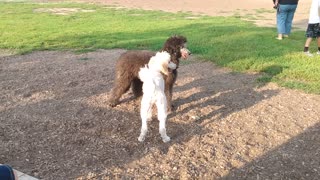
(129, 63)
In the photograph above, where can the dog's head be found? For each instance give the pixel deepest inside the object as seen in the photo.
(162, 62)
(177, 47)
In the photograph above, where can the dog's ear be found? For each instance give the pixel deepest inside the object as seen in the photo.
(172, 65)
(164, 68)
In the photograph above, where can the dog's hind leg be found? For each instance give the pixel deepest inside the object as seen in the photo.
(136, 87)
(120, 87)
(144, 130)
(162, 117)
(145, 111)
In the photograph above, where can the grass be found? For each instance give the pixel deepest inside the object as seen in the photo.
(226, 41)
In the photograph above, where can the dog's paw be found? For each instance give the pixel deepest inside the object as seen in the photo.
(113, 103)
(170, 108)
(141, 138)
(166, 139)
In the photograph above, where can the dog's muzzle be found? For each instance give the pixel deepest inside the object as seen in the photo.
(185, 53)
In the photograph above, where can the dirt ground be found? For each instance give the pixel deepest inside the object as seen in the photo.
(258, 11)
(55, 123)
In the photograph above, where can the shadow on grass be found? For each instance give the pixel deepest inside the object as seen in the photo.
(269, 73)
(242, 46)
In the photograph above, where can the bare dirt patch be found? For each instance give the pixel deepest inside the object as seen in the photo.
(259, 12)
(61, 11)
(55, 123)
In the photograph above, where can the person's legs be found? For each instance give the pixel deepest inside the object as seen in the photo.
(318, 37)
(290, 15)
(311, 32)
(281, 20)
(307, 44)
(318, 42)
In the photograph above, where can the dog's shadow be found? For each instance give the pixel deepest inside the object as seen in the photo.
(210, 94)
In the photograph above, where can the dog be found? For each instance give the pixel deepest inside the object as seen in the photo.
(153, 92)
(129, 63)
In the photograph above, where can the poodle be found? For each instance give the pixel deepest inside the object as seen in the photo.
(153, 92)
(129, 63)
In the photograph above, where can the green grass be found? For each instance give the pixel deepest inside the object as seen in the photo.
(226, 41)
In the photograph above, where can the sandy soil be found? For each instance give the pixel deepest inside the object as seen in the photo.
(55, 123)
(247, 10)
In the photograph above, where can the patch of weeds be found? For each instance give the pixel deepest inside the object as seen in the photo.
(84, 59)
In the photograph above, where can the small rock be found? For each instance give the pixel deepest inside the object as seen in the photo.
(196, 118)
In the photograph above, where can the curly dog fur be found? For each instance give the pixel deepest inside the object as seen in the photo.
(153, 93)
(129, 63)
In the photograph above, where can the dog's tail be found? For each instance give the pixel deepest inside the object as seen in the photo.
(144, 74)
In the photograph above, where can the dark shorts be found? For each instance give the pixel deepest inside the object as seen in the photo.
(313, 31)
(6, 172)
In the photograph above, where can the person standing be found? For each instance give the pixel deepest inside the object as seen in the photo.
(313, 30)
(285, 14)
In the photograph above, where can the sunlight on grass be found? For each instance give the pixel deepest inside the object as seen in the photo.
(226, 41)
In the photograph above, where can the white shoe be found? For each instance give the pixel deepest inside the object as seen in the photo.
(318, 52)
(309, 54)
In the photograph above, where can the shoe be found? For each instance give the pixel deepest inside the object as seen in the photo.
(318, 53)
(279, 37)
(309, 54)
(286, 36)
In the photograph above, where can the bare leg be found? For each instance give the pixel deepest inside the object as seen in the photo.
(306, 47)
(308, 41)
(318, 42)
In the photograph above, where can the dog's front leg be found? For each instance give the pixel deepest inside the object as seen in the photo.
(168, 91)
